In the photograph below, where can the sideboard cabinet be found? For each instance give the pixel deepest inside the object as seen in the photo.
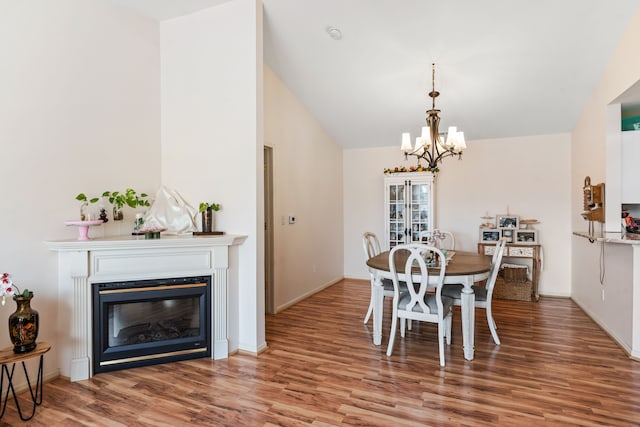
(531, 252)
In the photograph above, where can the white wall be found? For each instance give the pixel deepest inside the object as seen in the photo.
(589, 157)
(615, 295)
(79, 112)
(308, 184)
(212, 139)
(519, 174)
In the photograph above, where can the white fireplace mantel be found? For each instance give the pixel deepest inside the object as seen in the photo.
(121, 258)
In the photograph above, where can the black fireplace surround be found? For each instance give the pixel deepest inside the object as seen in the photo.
(147, 322)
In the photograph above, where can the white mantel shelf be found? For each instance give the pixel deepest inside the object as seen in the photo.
(81, 263)
(135, 242)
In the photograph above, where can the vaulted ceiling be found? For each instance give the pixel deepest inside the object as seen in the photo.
(504, 68)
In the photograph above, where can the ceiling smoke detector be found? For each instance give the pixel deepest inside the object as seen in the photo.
(334, 32)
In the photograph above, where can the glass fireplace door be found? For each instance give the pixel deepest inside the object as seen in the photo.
(151, 321)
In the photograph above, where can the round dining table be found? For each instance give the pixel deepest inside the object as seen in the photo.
(464, 268)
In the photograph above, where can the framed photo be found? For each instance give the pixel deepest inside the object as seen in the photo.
(525, 237)
(507, 221)
(489, 235)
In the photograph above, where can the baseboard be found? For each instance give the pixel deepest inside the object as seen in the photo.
(261, 348)
(367, 278)
(621, 344)
(46, 377)
(307, 295)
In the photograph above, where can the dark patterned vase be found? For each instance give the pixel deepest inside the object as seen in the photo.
(23, 325)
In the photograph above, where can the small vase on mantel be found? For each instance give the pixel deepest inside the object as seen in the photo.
(207, 221)
(23, 325)
(117, 214)
(207, 210)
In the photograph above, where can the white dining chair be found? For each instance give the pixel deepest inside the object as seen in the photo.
(371, 247)
(483, 294)
(439, 238)
(416, 303)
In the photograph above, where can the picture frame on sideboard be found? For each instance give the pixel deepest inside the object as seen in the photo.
(507, 221)
(525, 237)
(489, 235)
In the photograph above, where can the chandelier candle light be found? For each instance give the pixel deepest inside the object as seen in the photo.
(429, 146)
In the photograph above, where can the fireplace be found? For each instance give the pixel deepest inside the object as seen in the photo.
(145, 322)
(81, 264)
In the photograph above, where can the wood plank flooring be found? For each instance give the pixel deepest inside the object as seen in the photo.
(555, 367)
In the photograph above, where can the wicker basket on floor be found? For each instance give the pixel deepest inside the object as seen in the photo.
(519, 291)
(515, 274)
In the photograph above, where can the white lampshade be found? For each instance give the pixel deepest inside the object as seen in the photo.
(451, 136)
(460, 144)
(406, 142)
(426, 137)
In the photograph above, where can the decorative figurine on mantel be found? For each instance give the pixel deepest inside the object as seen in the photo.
(103, 215)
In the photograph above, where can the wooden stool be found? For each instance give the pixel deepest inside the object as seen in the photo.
(8, 357)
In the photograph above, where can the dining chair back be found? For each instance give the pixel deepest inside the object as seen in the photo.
(483, 294)
(416, 303)
(371, 248)
(439, 238)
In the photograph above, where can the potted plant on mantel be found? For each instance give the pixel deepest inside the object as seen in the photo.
(84, 202)
(129, 197)
(206, 209)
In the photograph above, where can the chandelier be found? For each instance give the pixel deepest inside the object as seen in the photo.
(429, 145)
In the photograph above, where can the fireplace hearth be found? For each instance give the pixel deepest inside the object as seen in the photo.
(138, 323)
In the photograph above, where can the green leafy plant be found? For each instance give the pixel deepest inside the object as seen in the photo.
(84, 203)
(83, 198)
(129, 197)
(205, 206)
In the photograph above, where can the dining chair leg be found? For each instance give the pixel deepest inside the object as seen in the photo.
(403, 323)
(392, 335)
(492, 325)
(370, 309)
(441, 332)
(448, 321)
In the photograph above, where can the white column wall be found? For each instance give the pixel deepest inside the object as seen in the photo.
(212, 139)
(529, 176)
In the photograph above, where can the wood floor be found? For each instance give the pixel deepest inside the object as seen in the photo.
(554, 367)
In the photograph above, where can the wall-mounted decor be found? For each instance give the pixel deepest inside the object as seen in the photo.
(525, 237)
